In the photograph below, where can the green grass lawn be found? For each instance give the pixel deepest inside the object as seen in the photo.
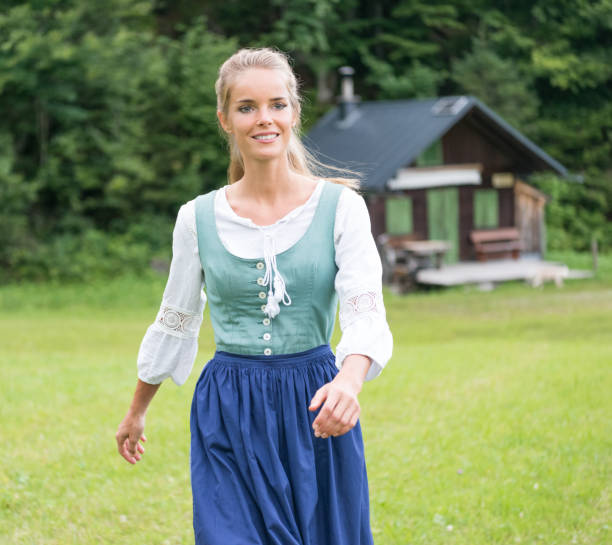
(492, 424)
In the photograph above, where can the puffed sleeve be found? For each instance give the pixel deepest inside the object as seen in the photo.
(170, 344)
(359, 286)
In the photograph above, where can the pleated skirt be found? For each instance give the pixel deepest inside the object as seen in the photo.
(259, 475)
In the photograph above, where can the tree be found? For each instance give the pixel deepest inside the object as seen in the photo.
(500, 83)
(110, 126)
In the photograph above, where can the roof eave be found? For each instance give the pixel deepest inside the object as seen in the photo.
(553, 164)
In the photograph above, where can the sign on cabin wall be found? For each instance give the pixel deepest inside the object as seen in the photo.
(501, 180)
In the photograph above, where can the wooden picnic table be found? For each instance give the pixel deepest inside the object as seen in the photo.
(404, 255)
(424, 253)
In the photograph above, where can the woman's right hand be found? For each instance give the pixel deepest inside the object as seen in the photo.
(129, 434)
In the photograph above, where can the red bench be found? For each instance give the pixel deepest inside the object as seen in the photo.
(497, 243)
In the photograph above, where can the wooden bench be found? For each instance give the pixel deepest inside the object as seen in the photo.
(499, 243)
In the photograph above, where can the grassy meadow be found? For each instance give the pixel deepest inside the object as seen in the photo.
(492, 424)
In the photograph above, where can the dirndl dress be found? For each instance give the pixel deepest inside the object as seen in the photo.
(259, 475)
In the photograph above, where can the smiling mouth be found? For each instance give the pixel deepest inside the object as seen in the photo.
(266, 137)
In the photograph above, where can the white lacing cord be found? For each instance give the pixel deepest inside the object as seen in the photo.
(277, 290)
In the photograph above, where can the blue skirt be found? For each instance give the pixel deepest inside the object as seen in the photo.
(259, 476)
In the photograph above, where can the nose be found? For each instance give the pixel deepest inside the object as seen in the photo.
(264, 116)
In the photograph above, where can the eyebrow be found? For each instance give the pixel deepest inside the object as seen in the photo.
(271, 100)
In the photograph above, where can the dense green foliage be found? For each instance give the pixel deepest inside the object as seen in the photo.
(109, 122)
(577, 213)
(106, 127)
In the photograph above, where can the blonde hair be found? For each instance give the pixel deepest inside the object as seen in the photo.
(300, 160)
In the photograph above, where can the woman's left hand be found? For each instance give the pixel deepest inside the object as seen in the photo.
(341, 409)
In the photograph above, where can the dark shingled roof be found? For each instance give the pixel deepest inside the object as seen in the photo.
(379, 138)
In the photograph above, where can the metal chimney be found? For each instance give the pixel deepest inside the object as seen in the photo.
(347, 100)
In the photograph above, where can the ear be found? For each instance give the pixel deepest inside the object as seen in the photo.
(224, 123)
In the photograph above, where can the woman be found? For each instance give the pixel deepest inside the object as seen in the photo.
(276, 446)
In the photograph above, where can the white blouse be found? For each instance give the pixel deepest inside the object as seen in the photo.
(170, 344)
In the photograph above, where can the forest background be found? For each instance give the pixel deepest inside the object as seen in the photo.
(108, 108)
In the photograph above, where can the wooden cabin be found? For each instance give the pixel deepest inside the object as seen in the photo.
(439, 169)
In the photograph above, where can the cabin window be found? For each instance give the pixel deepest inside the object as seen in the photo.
(432, 156)
(398, 213)
(486, 209)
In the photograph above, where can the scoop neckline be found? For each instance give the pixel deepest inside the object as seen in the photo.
(289, 215)
(288, 250)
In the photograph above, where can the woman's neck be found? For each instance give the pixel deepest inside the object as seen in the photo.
(268, 182)
(266, 179)
(268, 191)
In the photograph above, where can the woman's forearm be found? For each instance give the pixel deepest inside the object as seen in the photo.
(142, 397)
(355, 368)
(131, 428)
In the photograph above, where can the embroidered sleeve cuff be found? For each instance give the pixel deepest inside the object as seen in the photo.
(177, 322)
(358, 304)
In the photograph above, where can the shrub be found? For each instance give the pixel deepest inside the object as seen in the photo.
(576, 212)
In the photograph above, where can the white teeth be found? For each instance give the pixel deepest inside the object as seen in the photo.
(266, 137)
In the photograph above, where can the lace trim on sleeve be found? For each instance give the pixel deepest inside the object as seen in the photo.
(178, 322)
(358, 303)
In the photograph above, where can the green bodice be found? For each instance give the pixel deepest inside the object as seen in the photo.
(236, 297)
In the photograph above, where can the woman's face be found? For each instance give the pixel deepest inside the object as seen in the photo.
(260, 116)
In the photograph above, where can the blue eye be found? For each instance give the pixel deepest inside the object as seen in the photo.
(245, 109)
(280, 105)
